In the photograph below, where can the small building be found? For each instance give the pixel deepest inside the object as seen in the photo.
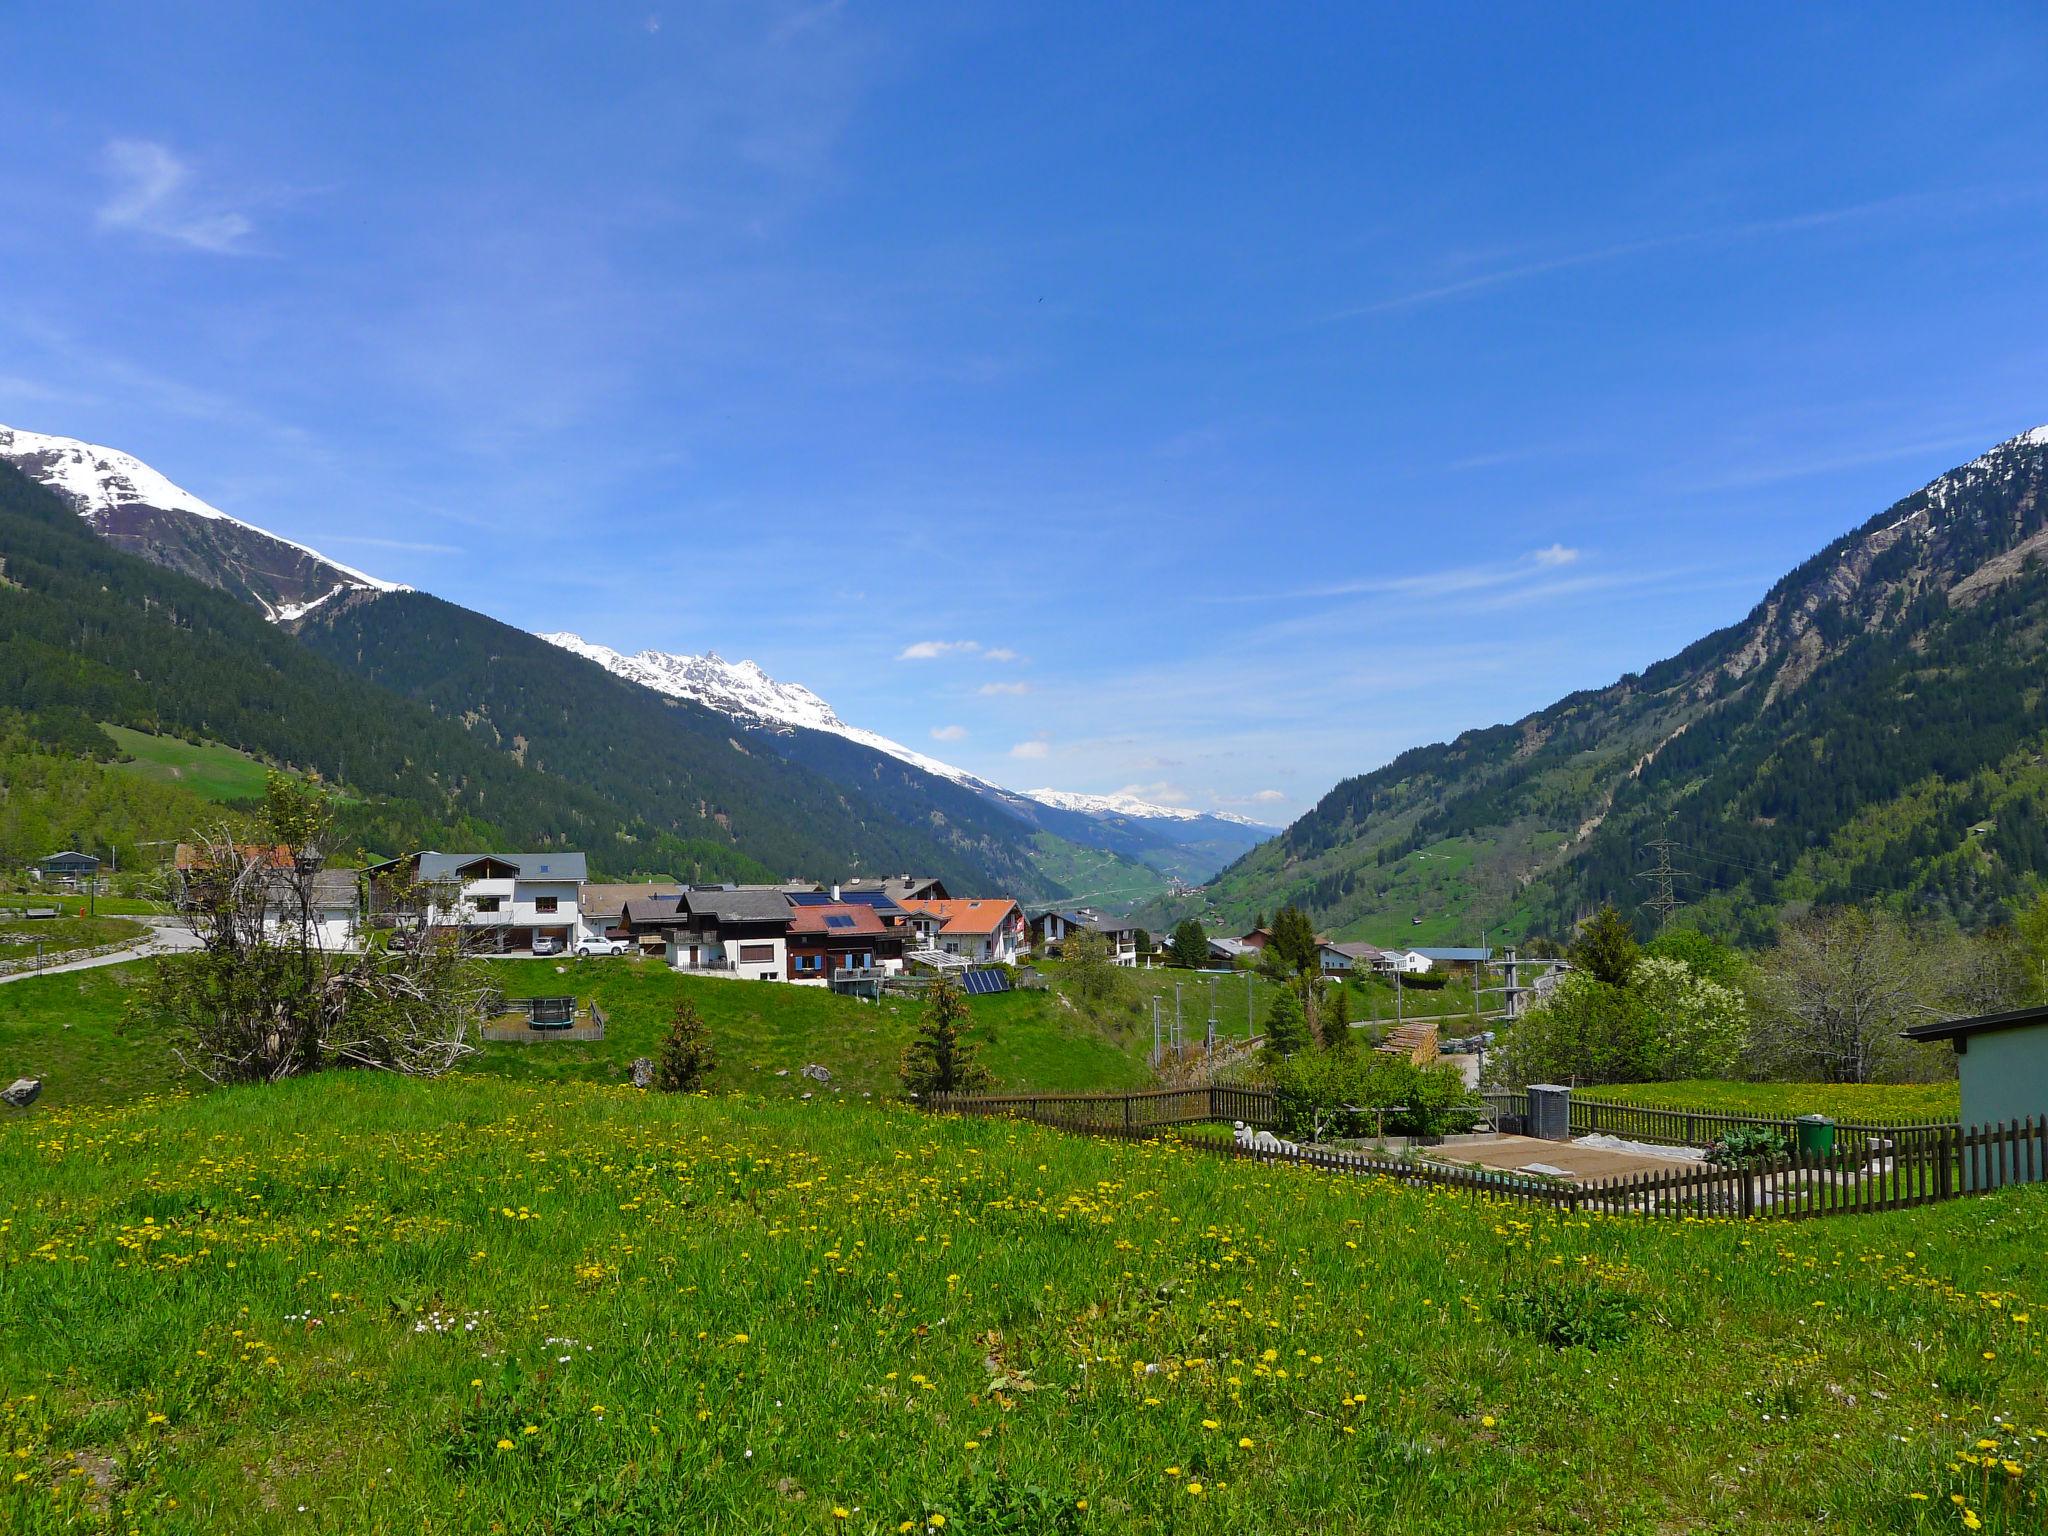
(1052, 928)
(1468, 959)
(1258, 938)
(2001, 1062)
(898, 888)
(1226, 951)
(1342, 959)
(841, 941)
(504, 903)
(740, 931)
(985, 929)
(601, 911)
(69, 869)
(332, 910)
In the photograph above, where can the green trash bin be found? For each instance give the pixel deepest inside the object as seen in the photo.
(1815, 1135)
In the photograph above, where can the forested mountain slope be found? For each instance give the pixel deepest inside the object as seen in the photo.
(803, 802)
(89, 633)
(1874, 729)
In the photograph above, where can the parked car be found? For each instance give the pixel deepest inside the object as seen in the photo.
(546, 946)
(585, 948)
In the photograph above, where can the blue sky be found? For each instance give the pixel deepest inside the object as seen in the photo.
(1206, 400)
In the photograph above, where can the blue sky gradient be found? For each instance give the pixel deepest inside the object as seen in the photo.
(1210, 401)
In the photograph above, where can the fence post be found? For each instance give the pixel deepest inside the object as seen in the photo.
(1748, 1193)
(1127, 1111)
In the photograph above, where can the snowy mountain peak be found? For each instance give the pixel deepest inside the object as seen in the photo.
(746, 692)
(1129, 805)
(137, 507)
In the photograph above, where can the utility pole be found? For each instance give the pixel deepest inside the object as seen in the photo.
(1249, 985)
(1663, 880)
(1210, 1044)
(1179, 1039)
(1155, 1034)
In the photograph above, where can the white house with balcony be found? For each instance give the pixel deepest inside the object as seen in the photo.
(505, 903)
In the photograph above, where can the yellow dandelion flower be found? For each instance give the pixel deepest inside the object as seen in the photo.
(1210, 1424)
(1487, 1421)
(1194, 1488)
(504, 1445)
(1244, 1443)
(839, 1511)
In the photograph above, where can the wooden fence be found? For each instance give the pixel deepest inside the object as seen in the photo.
(1873, 1168)
(1699, 1127)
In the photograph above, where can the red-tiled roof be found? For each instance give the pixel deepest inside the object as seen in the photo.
(977, 914)
(861, 920)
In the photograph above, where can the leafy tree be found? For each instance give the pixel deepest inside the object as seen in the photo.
(1318, 1095)
(1294, 939)
(1144, 937)
(1091, 973)
(264, 999)
(1189, 946)
(2030, 934)
(687, 1055)
(1287, 1031)
(940, 1058)
(1606, 947)
(1699, 954)
(1834, 993)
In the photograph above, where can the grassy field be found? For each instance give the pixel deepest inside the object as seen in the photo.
(356, 1303)
(215, 772)
(1096, 876)
(1028, 1039)
(18, 938)
(1842, 1101)
(71, 901)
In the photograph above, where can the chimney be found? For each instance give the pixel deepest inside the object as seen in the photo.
(835, 893)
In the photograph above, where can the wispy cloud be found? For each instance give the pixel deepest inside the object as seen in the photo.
(1000, 653)
(152, 194)
(1033, 749)
(1448, 581)
(1164, 792)
(367, 542)
(949, 733)
(1003, 690)
(932, 650)
(1749, 229)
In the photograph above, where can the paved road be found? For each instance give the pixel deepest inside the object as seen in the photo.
(170, 937)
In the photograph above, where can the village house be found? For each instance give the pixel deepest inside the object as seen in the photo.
(601, 913)
(1227, 951)
(1053, 927)
(1340, 959)
(329, 916)
(739, 931)
(897, 888)
(502, 903)
(840, 940)
(69, 869)
(984, 929)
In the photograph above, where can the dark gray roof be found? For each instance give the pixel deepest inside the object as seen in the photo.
(531, 866)
(610, 900)
(1952, 1029)
(653, 910)
(742, 906)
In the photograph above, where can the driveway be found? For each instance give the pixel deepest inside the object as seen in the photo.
(169, 937)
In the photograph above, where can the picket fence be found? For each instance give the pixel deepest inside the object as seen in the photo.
(1873, 1167)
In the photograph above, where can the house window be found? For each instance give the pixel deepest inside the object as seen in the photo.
(487, 903)
(809, 962)
(544, 903)
(757, 954)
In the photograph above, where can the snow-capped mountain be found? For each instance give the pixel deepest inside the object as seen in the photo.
(741, 689)
(1131, 805)
(747, 693)
(135, 507)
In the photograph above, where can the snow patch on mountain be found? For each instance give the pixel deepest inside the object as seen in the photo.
(744, 691)
(97, 480)
(1130, 805)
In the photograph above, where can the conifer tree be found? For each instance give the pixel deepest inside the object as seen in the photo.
(1287, 1031)
(1335, 1020)
(687, 1056)
(940, 1058)
(1606, 947)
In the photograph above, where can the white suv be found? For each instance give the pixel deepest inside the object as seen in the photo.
(585, 948)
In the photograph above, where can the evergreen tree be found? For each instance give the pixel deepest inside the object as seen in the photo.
(1259, 921)
(1294, 936)
(1287, 1031)
(1335, 1019)
(687, 1056)
(1190, 945)
(1606, 947)
(940, 1058)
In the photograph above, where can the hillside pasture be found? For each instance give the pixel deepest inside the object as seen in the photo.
(1875, 1102)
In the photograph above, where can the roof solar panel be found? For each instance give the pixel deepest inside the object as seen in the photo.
(838, 920)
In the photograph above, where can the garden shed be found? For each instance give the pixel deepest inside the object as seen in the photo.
(2002, 1060)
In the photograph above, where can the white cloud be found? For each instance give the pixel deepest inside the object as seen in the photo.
(1000, 653)
(1003, 690)
(949, 733)
(1554, 555)
(932, 650)
(152, 193)
(1030, 749)
(1267, 797)
(1162, 793)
